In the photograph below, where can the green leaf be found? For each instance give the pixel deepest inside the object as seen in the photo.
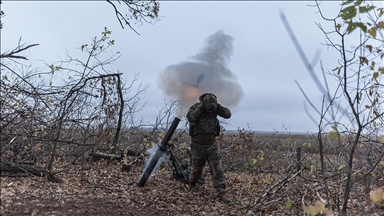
(353, 25)
(372, 67)
(357, 3)
(381, 70)
(380, 25)
(361, 26)
(347, 2)
(348, 12)
(366, 9)
(375, 75)
(372, 32)
(288, 205)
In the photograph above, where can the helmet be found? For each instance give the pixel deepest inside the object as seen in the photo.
(209, 101)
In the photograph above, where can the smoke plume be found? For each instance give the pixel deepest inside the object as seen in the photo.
(204, 72)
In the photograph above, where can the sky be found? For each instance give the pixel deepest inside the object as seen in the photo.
(260, 61)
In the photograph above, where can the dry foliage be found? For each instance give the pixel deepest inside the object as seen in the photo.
(272, 185)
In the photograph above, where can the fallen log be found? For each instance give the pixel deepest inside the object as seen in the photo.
(105, 155)
(112, 156)
(126, 167)
(11, 167)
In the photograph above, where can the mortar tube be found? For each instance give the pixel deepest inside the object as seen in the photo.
(159, 153)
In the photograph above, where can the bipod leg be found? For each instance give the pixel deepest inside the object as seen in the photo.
(178, 173)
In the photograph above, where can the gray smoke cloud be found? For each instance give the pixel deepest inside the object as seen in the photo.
(209, 66)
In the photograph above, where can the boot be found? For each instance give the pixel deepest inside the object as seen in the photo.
(222, 196)
(192, 186)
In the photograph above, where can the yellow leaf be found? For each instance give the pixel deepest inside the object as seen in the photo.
(376, 195)
(313, 168)
(381, 163)
(334, 134)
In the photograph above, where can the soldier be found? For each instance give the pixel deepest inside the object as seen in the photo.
(203, 128)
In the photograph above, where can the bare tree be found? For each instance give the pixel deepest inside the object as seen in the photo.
(353, 114)
(74, 107)
(128, 12)
(138, 12)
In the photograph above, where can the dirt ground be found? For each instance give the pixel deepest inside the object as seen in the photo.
(108, 191)
(36, 206)
(103, 189)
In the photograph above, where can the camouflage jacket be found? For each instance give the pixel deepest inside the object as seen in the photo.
(203, 122)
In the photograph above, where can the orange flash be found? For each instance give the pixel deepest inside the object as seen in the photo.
(191, 93)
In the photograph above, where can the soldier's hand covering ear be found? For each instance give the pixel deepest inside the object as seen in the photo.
(201, 106)
(223, 111)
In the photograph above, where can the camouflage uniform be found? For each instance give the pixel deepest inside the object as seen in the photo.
(204, 127)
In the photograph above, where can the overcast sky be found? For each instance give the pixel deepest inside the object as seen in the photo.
(264, 58)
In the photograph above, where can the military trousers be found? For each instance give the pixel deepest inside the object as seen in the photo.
(202, 153)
